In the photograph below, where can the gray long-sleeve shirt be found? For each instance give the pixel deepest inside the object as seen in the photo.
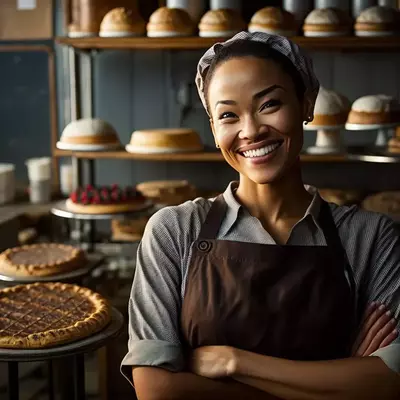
(370, 240)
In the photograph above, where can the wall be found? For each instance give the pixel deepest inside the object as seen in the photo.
(24, 108)
(135, 90)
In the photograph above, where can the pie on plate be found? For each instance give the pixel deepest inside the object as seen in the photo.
(41, 315)
(43, 259)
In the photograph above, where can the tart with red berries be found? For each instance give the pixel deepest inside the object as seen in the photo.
(106, 200)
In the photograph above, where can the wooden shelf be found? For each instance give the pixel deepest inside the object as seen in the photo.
(353, 43)
(183, 157)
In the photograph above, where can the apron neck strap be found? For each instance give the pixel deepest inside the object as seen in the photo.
(328, 226)
(214, 219)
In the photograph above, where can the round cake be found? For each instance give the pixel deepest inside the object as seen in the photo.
(274, 20)
(121, 22)
(340, 197)
(88, 134)
(374, 110)
(327, 22)
(169, 193)
(164, 141)
(106, 200)
(221, 23)
(377, 21)
(169, 22)
(43, 315)
(331, 109)
(44, 259)
(385, 202)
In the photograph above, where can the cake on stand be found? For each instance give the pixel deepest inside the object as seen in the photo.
(330, 114)
(380, 113)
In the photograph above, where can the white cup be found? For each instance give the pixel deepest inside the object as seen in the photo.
(195, 8)
(39, 169)
(7, 183)
(40, 191)
(66, 179)
(232, 4)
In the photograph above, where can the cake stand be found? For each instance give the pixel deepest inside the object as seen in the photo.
(88, 147)
(328, 139)
(61, 210)
(94, 261)
(379, 152)
(76, 350)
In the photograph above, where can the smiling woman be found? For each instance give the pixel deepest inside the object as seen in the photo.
(267, 284)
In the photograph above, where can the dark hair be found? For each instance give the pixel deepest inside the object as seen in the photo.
(247, 48)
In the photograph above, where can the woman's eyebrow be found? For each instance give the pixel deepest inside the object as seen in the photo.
(267, 90)
(258, 95)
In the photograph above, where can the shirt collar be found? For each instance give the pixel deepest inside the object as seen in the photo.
(234, 206)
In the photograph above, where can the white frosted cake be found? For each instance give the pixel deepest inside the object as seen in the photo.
(326, 22)
(221, 23)
(169, 22)
(374, 110)
(273, 20)
(121, 22)
(331, 108)
(88, 134)
(377, 21)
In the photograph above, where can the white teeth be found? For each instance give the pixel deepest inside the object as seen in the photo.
(262, 151)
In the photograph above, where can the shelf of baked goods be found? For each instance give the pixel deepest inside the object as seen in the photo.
(206, 156)
(195, 43)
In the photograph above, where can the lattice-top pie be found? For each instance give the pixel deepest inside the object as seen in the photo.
(49, 314)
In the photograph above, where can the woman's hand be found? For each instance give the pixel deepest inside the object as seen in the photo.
(213, 361)
(377, 331)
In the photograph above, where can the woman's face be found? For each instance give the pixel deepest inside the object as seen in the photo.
(256, 117)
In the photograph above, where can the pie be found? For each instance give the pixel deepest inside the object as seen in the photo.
(340, 197)
(43, 259)
(43, 315)
(105, 200)
(385, 202)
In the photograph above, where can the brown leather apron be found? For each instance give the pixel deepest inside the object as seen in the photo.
(284, 301)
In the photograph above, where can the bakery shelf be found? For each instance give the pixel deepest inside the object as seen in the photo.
(188, 157)
(352, 43)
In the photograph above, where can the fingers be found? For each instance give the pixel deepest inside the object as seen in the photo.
(363, 331)
(389, 338)
(374, 314)
(380, 332)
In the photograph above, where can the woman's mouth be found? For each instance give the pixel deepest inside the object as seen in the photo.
(263, 153)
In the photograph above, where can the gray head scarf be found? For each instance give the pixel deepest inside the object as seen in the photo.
(301, 61)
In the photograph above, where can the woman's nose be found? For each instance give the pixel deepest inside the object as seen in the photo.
(250, 128)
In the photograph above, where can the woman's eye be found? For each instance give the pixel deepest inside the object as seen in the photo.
(270, 104)
(227, 114)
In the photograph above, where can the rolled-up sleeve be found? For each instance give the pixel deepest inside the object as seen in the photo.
(155, 301)
(384, 284)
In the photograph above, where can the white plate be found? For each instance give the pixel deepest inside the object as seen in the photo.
(324, 150)
(87, 147)
(119, 34)
(310, 127)
(325, 34)
(217, 34)
(166, 34)
(374, 33)
(367, 127)
(157, 150)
